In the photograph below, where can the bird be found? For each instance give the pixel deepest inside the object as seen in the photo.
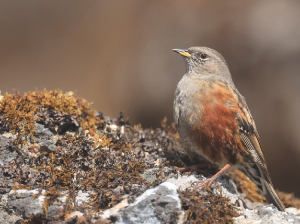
(214, 121)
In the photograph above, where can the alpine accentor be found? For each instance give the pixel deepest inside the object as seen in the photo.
(214, 122)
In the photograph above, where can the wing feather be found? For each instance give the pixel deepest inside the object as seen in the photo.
(255, 166)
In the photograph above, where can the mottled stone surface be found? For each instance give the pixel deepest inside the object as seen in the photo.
(266, 215)
(7, 149)
(157, 205)
(44, 137)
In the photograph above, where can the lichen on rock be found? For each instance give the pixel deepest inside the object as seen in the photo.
(69, 163)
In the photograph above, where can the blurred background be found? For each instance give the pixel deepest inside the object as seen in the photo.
(118, 55)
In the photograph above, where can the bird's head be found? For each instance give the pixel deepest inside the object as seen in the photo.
(205, 63)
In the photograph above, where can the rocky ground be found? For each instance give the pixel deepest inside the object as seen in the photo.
(61, 162)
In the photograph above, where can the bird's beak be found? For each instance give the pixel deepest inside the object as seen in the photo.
(184, 53)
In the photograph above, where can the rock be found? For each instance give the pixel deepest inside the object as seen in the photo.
(118, 189)
(48, 146)
(54, 210)
(7, 151)
(44, 137)
(9, 218)
(293, 211)
(25, 171)
(184, 181)
(96, 156)
(21, 203)
(228, 189)
(150, 174)
(82, 197)
(24, 204)
(157, 205)
(5, 185)
(265, 215)
(4, 216)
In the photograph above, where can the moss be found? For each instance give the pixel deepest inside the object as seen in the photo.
(18, 114)
(107, 154)
(39, 218)
(16, 187)
(20, 111)
(206, 207)
(95, 159)
(288, 200)
(170, 130)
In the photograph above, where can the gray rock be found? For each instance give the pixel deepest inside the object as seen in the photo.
(7, 153)
(48, 146)
(44, 137)
(83, 197)
(228, 189)
(58, 205)
(157, 205)
(8, 218)
(21, 203)
(292, 210)
(150, 174)
(5, 185)
(184, 182)
(265, 215)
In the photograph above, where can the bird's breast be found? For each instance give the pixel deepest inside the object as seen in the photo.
(207, 118)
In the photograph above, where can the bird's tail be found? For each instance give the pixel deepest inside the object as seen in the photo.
(271, 196)
(260, 176)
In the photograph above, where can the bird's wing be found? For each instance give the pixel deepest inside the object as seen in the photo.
(255, 165)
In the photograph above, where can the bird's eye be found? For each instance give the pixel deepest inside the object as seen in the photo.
(203, 56)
